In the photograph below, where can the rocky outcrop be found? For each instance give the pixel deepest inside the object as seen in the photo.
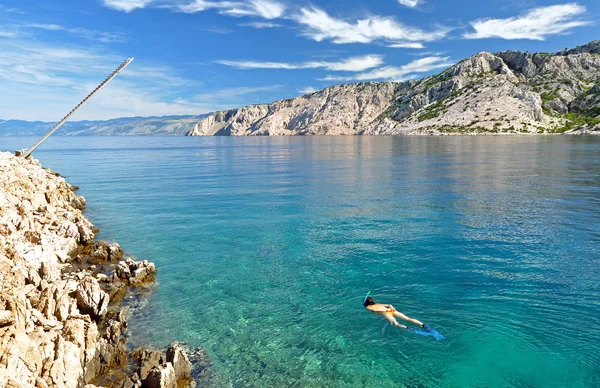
(339, 110)
(506, 92)
(61, 321)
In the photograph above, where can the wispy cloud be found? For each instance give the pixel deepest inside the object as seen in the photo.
(11, 10)
(536, 24)
(46, 81)
(262, 25)
(80, 32)
(48, 27)
(218, 30)
(263, 8)
(231, 94)
(410, 3)
(267, 9)
(350, 64)
(319, 26)
(8, 34)
(127, 5)
(407, 45)
(307, 90)
(397, 73)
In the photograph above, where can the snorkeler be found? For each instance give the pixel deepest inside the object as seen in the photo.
(390, 313)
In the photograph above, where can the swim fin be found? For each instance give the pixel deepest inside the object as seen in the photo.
(429, 333)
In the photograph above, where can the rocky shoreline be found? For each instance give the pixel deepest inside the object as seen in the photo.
(62, 315)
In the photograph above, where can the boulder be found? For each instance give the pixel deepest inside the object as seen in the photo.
(180, 361)
(91, 299)
(162, 376)
(49, 272)
(135, 272)
(6, 318)
(147, 359)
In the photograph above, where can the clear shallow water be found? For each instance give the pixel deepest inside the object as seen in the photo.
(266, 247)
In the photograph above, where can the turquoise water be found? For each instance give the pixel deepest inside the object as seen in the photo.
(266, 247)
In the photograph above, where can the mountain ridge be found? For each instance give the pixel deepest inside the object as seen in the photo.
(488, 93)
(124, 126)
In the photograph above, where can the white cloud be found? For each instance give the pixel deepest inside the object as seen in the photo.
(267, 9)
(261, 25)
(100, 36)
(229, 94)
(409, 3)
(307, 90)
(321, 26)
(127, 5)
(8, 34)
(398, 73)
(263, 8)
(536, 24)
(350, 64)
(49, 27)
(407, 45)
(47, 81)
(200, 5)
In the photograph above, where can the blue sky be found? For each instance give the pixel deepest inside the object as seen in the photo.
(197, 56)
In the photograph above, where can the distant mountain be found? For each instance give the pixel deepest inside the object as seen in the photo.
(506, 92)
(167, 125)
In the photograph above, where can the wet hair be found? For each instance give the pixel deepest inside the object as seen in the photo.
(369, 301)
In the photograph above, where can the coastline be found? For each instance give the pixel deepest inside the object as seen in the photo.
(62, 312)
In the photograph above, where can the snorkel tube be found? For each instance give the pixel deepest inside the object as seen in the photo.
(366, 296)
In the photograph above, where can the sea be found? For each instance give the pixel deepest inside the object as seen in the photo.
(267, 246)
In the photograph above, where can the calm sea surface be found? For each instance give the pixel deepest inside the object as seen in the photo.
(266, 247)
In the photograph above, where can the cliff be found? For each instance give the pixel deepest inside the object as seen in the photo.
(61, 312)
(506, 92)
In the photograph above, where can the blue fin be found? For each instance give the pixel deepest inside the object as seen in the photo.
(430, 333)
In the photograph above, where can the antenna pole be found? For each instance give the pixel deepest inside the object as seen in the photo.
(79, 106)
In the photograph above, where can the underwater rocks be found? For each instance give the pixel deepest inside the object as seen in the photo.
(62, 320)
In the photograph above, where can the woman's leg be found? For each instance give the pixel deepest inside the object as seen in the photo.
(393, 321)
(402, 316)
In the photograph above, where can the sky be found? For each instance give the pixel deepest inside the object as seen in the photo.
(198, 56)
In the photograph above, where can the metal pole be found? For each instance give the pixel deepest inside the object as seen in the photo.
(82, 103)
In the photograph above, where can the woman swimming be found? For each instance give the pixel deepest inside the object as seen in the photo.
(390, 313)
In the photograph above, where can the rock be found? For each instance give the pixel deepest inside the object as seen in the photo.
(162, 376)
(49, 272)
(6, 318)
(147, 359)
(79, 203)
(91, 299)
(123, 271)
(135, 272)
(114, 251)
(177, 356)
(50, 297)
